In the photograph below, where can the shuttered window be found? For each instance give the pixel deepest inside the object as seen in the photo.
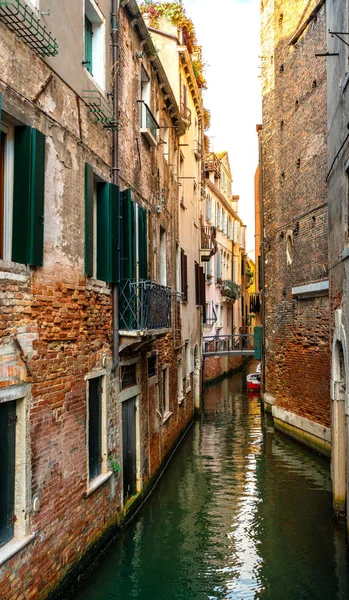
(88, 44)
(199, 285)
(128, 238)
(184, 276)
(22, 187)
(102, 238)
(142, 243)
(7, 470)
(95, 390)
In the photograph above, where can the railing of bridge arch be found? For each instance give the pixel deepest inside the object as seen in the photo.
(228, 343)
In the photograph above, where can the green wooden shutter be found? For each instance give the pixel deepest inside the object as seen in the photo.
(88, 44)
(7, 470)
(88, 220)
(21, 195)
(128, 262)
(115, 223)
(28, 196)
(108, 234)
(36, 247)
(142, 243)
(258, 343)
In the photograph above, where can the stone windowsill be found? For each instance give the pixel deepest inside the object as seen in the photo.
(180, 399)
(14, 546)
(13, 272)
(97, 482)
(166, 417)
(96, 285)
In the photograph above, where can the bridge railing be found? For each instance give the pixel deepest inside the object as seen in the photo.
(228, 343)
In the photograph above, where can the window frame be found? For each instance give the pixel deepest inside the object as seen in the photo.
(22, 477)
(8, 185)
(105, 473)
(94, 15)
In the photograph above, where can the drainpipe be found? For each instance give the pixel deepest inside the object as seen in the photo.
(115, 56)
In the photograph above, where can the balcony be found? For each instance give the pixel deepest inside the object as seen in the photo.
(212, 163)
(230, 291)
(208, 243)
(209, 316)
(144, 308)
(186, 114)
(197, 149)
(25, 23)
(149, 125)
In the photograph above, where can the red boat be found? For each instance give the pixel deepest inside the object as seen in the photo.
(253, 381)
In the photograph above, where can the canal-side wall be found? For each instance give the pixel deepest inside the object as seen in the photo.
(215, 367)
(338, 181)
(294, 168)
(57, 326)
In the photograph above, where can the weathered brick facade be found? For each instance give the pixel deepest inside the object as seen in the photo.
(56, 324)
(294, 163)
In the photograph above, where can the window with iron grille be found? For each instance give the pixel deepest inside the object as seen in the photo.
(7, 470)
(152, 365)
(128, 376)
(95, 427)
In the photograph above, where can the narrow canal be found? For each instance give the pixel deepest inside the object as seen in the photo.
(241, 512)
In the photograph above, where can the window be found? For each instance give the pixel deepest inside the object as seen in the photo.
(22, 173)
(208, 208)
(187, 363)
(152, 366)
(180, 380)
(163, 261)
(129, 376)
(165, 138)
(184, 276)
(165, 392)
(97, 449)
(102, 228)
(13, 470)
(8, 419)
(148, 124)
(6, 190)
(95, 42)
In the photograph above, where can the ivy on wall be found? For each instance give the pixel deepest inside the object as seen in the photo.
(175, 13)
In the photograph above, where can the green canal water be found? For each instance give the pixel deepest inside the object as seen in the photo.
(240, 513)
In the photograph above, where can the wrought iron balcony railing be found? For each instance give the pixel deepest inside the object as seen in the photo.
(186, 113)
(210, 315)
(212, 164)
(144, 306)
(208, 245)
(228, 343)
(149, 125)
(25, 22)
(230, 289)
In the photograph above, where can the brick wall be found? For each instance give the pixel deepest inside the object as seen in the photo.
(56, 326)
(295, 215)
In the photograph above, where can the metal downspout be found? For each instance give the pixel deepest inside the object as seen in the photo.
(115, 53)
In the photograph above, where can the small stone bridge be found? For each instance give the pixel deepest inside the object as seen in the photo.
(229, 345)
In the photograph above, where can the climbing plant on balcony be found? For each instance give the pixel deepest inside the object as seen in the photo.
(175, 13)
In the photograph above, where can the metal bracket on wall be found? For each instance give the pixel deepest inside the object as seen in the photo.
(338, 35)
(101, 109)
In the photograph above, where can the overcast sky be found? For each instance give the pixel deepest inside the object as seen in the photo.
(228, 31)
